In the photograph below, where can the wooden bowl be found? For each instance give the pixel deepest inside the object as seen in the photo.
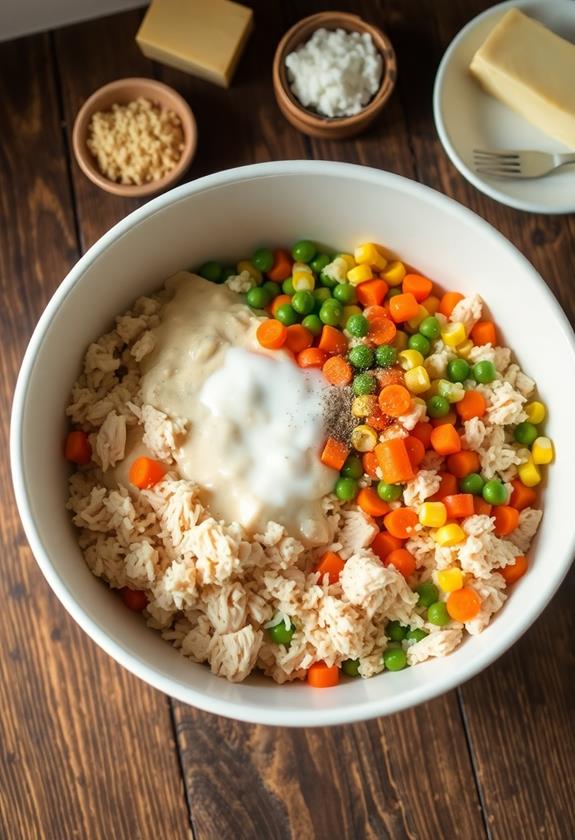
(123, 91)
(310, 122)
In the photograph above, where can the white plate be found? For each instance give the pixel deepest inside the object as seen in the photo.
(467, 118)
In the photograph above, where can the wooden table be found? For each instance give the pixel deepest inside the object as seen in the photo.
(87, 750)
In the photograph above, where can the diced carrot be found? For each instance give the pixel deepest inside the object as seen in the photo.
(134, 599)
(403, 561)
(280, 300)
(337, 371)
(459, 505)
(515, 570)
(381, 330)
(463, 604)
(403, 307)
(332, 340)
(271, 334)
(384, 543)
(472, 405)
(401, 522)
(312, 357)
(393, 460)
(415, 450)
(432, 304)
(375, 311)
(420, 287)
(389, 376)
(370, 464)
(298, 338)
(506, 520)
(331, 564)
(463, 463)
(372, 292)
(394, 400)
(448, 487)
(445, 439)
(370, 503)
(522, 496)
(77, 447)
(481, 507)
(281, 269)
(450, 417)
(321, 675)
(484, 332)
(379, 421)
(334, 453)
(145, 472)
(448, 303)
(422, 431)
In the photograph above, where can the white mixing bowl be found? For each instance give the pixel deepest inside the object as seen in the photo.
(225, 216)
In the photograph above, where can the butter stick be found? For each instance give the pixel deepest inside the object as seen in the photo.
(202, 37)
(531, 70)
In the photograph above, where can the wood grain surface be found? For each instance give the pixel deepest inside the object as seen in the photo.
(88, 751)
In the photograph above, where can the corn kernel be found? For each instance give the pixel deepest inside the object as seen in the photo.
(449, 535)
(245, 265)
(535, 412)
(453, 334)
(359, 274)
(348, 259)
(413, 323)
(542, 451)
(529, 473)
(364, 438)
(433, 514)
(393, 273)
(303, 281)
(369, 255)
(450, 580)
(409, 359)
(465, 348)
(364, 406)
(452, 391)
(400, 340)
(417, 380)
(431, 304)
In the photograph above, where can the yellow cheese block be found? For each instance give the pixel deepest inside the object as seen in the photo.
(532, 70)
(201, 37)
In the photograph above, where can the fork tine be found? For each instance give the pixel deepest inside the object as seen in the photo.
(495, 156)
(498, 173)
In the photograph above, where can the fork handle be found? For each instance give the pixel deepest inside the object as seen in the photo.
(561, 160)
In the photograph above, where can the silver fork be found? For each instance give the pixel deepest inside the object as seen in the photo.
(514, 163)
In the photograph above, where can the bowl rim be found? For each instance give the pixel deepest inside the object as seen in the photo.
(90, 170)
(384, 91)
(152, 675)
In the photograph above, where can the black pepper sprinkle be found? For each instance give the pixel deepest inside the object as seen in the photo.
(337, 417)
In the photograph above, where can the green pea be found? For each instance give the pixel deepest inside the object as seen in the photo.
(395, 290)
(361, 357)
(353, 468)
(416, 635)
(319, 262)
(420, 343)
(286, 315)
(274, 289)
(313, 324)
(437, 406)
(484, 372)
(263, 259)
(304, 251)
(280, 634)
(346, 489)
(345, 293)
(228, 271)
(350, 667)
(526, 433)
(327, 281)
(396, 631)
(385, 355)
(258, 297)
(389, 492)
(320, 296)
(437, 614)
(428, 593)
(331, 312)
(430, 328)
(458, 370)
(472, 483)
(287, 287)
(494, 492)
(364, 383)
(211, 271)
(357, 325)
(303, 302)
(395, 659)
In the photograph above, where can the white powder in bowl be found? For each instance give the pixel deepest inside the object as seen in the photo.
(335, 73)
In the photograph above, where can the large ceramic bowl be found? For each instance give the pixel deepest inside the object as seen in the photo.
(231, 213)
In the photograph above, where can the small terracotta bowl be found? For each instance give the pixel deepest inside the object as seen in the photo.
(123, 91)
(310, 122)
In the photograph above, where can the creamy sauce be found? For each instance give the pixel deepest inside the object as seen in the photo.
(255, 419)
